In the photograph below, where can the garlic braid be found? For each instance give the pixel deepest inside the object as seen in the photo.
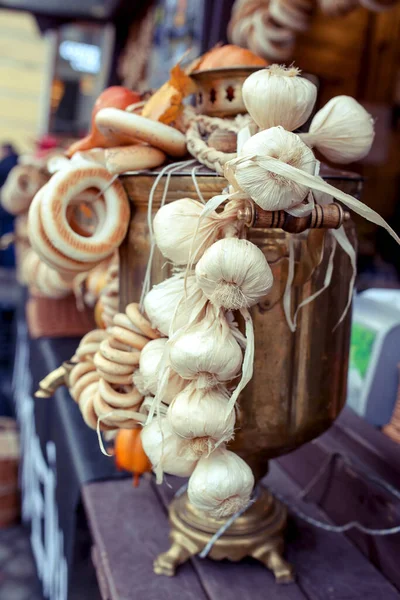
(63, 245)
(207, 155)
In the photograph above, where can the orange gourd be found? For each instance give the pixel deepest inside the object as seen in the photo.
(129, 453)
(230, 56)
(112, 97)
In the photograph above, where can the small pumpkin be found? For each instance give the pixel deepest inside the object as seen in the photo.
(115, 96)
(230, 56)
(129, 453)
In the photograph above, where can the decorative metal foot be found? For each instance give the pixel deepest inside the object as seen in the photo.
(179, 552)
(257, 533)
(274, 561)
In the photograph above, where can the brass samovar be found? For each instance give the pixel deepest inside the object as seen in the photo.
(299, 383)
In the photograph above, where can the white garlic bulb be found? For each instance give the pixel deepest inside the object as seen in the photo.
(147, 377)
(163, 300)
(178, 234)
(250, 172)
(166, 450)
(342, 130)
(201, 416)
(279, 96)
(234, 273)
(207, 352)
(221, 484)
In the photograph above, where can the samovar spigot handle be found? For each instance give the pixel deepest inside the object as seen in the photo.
(330, 216)
(54, 380)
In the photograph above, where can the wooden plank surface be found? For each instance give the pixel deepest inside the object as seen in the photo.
(344, 492)
(327, 564)
(129, 528)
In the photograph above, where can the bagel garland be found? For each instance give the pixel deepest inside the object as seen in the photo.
(101, 382)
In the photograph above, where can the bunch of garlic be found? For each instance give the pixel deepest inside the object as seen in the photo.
(234, 273)
(171, 304)
(180, 234)
(167, 450)
(221, 484)
(201, 418)
(146, 377)
(255, 171)
(204, 353)
(279, 96)
(207, 353)
(342, 130)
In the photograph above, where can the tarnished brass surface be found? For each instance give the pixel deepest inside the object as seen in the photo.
(134, 251)
(257, 533)
(299, 382)
(219, 92)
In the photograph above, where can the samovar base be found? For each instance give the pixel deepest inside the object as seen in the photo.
(259, 533)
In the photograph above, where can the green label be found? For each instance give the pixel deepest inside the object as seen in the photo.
(361, 346)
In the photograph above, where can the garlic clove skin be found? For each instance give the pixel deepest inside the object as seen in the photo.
(201, 416)
(166, 450)
(147, 377)
(207, 352)
(174, 386)
(147, 404)
(279, 96)
(268, 190)
(175, 226)
(161, 303)
(342, 130)
(233, 273)
(221, 484)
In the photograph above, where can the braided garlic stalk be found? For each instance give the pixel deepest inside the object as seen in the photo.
(201, 125)
(101, 382)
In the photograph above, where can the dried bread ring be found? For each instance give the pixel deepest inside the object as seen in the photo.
(117, 399)
(43, 246)
(52, 235)
(133, 312)
(112, 121)
(133, 158)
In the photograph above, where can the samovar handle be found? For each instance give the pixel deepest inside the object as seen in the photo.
(330, 216)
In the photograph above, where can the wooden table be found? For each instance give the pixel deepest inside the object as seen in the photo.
(130, 527)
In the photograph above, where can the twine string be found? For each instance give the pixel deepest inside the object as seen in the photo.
(293, 507)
